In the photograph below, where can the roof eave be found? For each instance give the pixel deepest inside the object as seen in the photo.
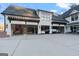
(19, 15)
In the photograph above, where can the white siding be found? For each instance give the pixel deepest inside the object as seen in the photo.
(67, 29)
(69, 19)
(45, 19)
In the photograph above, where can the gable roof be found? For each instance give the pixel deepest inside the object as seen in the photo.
(67, 13)
(74, 12)
(20, 11)
(59, 19)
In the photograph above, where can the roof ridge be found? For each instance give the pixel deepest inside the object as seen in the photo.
(21, 7)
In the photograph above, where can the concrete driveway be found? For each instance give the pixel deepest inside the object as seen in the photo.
(41, 45)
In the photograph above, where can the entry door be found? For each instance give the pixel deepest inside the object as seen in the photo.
(73, 28)
(45, 29)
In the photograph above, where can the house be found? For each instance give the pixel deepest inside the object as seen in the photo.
(72, 16)
(19, 20)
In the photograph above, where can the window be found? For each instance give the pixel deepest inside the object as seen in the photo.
(74, 28)
(74, 17)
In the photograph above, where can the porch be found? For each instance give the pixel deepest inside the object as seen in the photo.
(18, 29)
(58, 27)
(23, 25)
(72, 27)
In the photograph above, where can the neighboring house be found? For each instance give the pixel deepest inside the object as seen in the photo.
(19, 20)
(72, 16)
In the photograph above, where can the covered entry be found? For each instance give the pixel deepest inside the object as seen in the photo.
(58, 29)
(31, 29)
(16, 29)
(58, 24)
(73, 27)
(45, 29)
(23, 29)
(20, 25)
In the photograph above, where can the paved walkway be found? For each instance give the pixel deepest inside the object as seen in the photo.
(41, 45)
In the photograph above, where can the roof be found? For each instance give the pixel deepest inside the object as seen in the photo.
(66, 14)
(59, 19)
(74, 23)
(20, 11)
(45, 11)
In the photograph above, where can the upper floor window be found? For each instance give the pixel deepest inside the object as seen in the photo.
(74, 17)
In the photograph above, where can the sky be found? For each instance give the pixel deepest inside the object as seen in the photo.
(57, 8)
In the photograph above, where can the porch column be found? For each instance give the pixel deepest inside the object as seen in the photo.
(65, 29)
(39, 29)
(7, 26)
(50, 29)
(24, 30)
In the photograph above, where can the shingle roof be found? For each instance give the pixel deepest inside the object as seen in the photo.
(66, 14)
(59, 19)
(45, 11)
(20, 11)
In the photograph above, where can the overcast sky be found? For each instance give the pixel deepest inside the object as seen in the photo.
(58, 8)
